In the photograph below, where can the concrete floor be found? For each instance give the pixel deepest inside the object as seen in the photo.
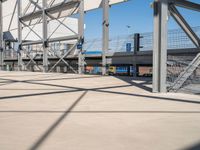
(82, 112)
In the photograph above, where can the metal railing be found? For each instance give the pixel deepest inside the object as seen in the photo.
(177, 39)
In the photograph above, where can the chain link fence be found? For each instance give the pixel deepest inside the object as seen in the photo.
(175, 66)
(177, 39)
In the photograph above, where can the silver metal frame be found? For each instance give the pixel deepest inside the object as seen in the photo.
(161, 9)
(44, 14)
(160, 45)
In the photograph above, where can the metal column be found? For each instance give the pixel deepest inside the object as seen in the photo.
(1, 38)
(19, 12)
(105, 35)
(81, 62)
(160, 46)
(45, 41)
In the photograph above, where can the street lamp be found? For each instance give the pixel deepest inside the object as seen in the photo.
(128, 29)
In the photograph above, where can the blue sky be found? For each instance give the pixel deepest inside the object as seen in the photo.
(135, 13)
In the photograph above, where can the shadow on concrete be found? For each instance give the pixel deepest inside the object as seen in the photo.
(30, 75)
(77, 78)
(152, 97)
(193, 147)
(37, 94)
(101, 89)
(130, 80)
(44, 136)
(99, 112)
(68, 87)
(27, 89)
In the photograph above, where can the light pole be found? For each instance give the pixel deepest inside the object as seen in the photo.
(128, 29)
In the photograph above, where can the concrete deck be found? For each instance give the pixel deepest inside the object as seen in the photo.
(82, 112)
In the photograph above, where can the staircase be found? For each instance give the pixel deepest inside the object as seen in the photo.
(178, 83)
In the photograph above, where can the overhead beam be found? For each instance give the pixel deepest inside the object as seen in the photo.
(52, 10)
(56, 8)
(186, 4)
(65, 38)
(160, 46)
(184, 25)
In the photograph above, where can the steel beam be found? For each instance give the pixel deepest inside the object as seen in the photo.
(52, 10)
(19, 13)
(1, 38)
(105, 39)
(64, 38)
(65, 55)
(45, 36)
(65, 63)
(160, 46)
(184, 25)
(81, 62)
(186, 4)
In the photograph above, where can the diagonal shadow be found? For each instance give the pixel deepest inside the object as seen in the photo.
(99, 112)
(11, 81)
(77, 88)
(38, 94)
(31, 75)
(193, 147)
(8, 82)
(139, 85)
(5, 82)
(49, 131)
(152, 97)
(37, 89)
(70, 87)
(77, 78)
(101, 89)
(45, 84)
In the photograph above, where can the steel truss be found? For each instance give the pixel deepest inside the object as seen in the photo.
(43, 14)
(161, 10)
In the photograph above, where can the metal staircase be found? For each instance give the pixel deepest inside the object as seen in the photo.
(178, 83)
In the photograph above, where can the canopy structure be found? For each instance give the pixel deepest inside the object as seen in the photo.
(46, 21)
(35, 22)
(10, 23)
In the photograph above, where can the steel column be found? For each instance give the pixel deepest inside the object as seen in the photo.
(81, 62)
(19, 12)
(160, 46)
(45, 36)
(1, 37)
(105, 40)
